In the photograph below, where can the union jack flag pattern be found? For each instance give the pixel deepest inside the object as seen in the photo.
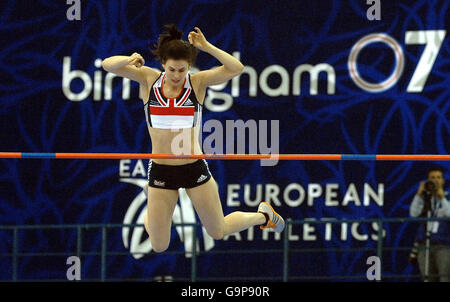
(162, 112)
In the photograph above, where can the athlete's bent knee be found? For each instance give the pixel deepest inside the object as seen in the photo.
(216, 234)
(159, 249)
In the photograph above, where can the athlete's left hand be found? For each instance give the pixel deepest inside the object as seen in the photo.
(198, 40)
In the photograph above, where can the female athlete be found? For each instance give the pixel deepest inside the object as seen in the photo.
(173, 102)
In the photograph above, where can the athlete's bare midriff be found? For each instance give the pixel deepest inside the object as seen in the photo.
(175, 141)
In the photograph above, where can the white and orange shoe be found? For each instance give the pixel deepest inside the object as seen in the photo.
(275, 222)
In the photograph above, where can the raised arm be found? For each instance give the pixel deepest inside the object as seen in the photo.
(131, 67)
(230, 68)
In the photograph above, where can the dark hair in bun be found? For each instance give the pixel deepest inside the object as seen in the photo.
(171, 46)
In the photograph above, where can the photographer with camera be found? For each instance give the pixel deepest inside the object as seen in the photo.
(433, 239)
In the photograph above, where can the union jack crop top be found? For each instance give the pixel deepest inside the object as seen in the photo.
(162, 112)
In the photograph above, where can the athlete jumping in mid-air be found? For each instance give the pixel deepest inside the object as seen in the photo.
(173, 102)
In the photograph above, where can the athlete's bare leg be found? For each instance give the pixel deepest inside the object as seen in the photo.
(158, 221)
(206, 201)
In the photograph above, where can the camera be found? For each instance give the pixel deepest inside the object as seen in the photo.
(429, 189)
(429, 186)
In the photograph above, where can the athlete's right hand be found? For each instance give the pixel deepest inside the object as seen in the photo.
(136, 60)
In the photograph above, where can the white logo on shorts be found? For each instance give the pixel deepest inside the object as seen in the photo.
(202, 178)
(159, 183)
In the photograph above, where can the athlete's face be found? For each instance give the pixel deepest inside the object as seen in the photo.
(176, 71)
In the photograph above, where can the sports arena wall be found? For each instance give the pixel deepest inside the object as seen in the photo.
(319, 78)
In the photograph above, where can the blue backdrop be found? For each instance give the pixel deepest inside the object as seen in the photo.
(55, 97)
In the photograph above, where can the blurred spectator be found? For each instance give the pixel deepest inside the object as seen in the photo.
(432, 201)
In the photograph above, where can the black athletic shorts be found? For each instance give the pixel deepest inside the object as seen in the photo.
(175, 177)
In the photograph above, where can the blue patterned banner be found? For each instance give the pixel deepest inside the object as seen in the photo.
(325, 76)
